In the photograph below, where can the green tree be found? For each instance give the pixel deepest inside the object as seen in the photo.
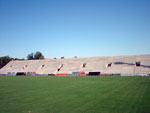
(4, 60)
(30, 56)
(38, 55)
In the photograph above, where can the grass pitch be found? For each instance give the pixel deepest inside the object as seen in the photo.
(74, 94)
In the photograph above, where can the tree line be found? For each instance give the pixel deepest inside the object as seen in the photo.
(32, 56)
(35, 56)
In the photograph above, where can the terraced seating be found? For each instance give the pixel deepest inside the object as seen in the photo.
(107, 65)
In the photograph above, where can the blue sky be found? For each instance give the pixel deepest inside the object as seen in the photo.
(71, 28)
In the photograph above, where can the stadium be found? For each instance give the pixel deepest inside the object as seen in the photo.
(74, 56)
(115, 65)
(118, 84)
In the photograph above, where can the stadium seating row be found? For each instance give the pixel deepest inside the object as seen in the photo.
(123, 65)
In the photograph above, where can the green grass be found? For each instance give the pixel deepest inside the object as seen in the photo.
(74, 94)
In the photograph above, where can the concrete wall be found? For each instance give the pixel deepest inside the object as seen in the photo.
(124, 65)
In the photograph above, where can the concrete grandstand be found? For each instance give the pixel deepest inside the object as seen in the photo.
(121, 65)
